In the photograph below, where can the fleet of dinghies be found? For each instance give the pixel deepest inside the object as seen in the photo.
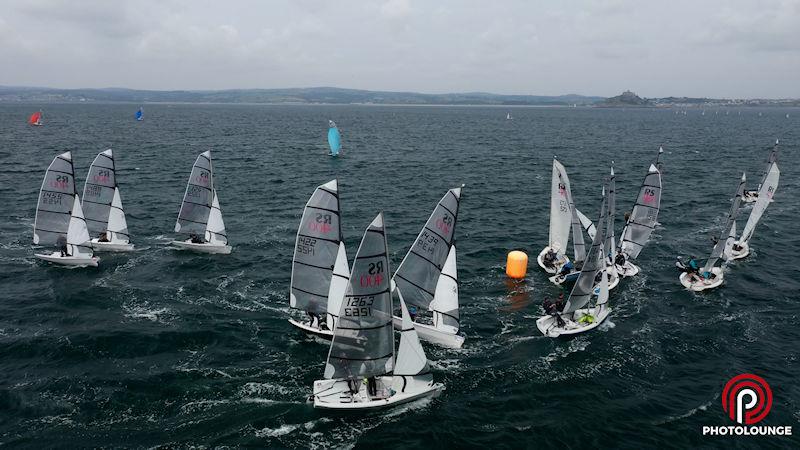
(358, 308)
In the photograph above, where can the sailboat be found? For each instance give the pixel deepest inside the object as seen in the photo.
(751, 196)
(36, 119)
(710, 275)
(769, 184)
(553, 256)
(200, 215)
(609, 243)
(140, 115)
(363, 372)
(334, 138)
(642, 220)
(319, 266)
(576, 317)
(427, 277)
(508, 116)
(59, 217)
(102, 206)
(579, 224)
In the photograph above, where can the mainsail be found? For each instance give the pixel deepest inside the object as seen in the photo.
(56, 201)
(140, 114)
(611, 202)
(35, 118)
(363, 341)
(318, 243)
(419, 271)
(102, 204)
(644, 215)
(771, 158)
(334, 138)
(719, 247)
(578, 244)
(198, 198)
(584, 285)
(768, 187)
(560, 215)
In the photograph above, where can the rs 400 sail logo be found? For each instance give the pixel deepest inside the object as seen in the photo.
(747, 399)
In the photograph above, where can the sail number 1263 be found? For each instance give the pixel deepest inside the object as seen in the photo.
(359, 306)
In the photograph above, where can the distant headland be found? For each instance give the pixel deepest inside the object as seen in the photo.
(332, 95)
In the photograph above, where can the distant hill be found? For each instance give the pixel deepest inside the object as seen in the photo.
(297, 95)
(627, 98)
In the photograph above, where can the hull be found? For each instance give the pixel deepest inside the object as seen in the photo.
(202, 248)
(548, 326)
(430, 334)
(551, 270)
(613, 280)
(628, 270)
(312, 331)
(750, 196)
(111, 246)
(743, 253)
(559, 280)
(702, 285)
(69, 261)
(392, 391)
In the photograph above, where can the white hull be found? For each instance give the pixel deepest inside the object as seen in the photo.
(313, 331)
(551, 270)
(202, 248)
(70, 261)
(111, 246)
(628, 270)
(548, 325)
(431, 334)
(740, 254)
(702, 285)
(569, 278)
(613, 280)
(392, 391)
(750, 196)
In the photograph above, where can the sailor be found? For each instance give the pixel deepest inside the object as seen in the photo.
(102, 237)
(693, 269)
(313, 319)
(620, 259)
(195, 239)
(372, 387)
(550, 258)
(553, 307)
(412, 311)
(737, 247)
(627, 216)
(61, 243)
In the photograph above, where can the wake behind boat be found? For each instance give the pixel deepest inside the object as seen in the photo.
(59, 218)
(362, 371)
(102, 206)
(428, 279)
(200, 215)
(319, 266)
(712, 276)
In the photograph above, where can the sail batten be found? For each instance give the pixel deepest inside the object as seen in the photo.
(317, 247)
(56, 201)
(102, 204)
(419, 271)
(198, 197)
(644, 215)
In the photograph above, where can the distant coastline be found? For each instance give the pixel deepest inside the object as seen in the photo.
(340, 96)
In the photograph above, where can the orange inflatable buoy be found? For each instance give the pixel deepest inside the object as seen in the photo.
(517, 264)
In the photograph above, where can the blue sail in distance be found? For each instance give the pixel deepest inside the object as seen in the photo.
(334, 138)
(140, 114)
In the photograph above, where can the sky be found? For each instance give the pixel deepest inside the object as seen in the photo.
(710, 48)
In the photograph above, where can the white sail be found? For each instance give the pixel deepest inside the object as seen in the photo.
(609, 243)
(77, 234)
(411, 359)
(602, 297)
(716, 252)
(215, 228)
(198, 197)
(117, 225)
(56, 202)
(765, 194)
(363, 340)
(445, 299)
(578, 244)
(727, 252)
(586, 223)
(338, 288)
(560, 214)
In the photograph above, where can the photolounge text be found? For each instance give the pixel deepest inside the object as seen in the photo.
(739, 430)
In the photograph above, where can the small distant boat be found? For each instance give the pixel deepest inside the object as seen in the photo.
(363, 371)
(710, 275)
(200, 215)
(59, 217)
(508, 116)
(36, 119)
(102, 206)
(703, 113)
(334, 138)
(319, 267)
(140, 115)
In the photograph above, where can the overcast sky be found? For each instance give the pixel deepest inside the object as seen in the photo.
(730, 48)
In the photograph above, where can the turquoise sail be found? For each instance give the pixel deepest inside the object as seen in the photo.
(334, 138)
(140, 114)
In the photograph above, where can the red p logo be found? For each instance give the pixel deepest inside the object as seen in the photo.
(747, 398)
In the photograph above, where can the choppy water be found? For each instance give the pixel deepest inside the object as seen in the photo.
(161, 347)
